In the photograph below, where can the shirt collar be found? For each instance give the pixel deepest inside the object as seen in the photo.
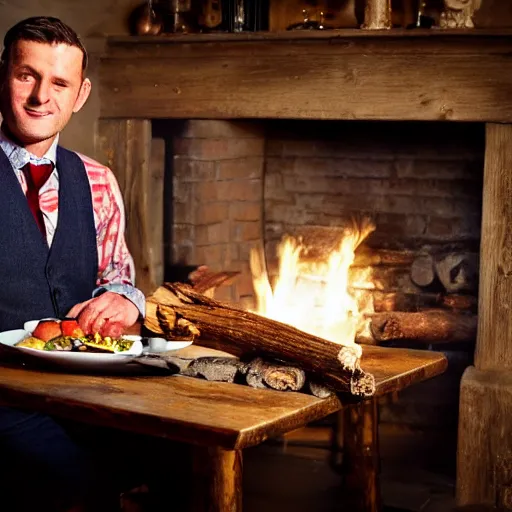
(19, 156)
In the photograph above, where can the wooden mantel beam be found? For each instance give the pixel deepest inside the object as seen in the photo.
(346, 75)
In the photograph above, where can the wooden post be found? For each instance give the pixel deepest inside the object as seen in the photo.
(127, 148)
(218, 480)
(361, 456)
(485, 417)
(377, 15)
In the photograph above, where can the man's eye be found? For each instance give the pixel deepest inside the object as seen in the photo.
(24, 77)
(61, 84)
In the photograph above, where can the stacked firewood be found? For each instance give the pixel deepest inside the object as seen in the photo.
(271, 354)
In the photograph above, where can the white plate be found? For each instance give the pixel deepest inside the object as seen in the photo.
(151, 345)
(73, 360)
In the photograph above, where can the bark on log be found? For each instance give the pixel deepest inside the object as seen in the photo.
(212, 280)
(249, 335)
(434, 326)
(219, 369)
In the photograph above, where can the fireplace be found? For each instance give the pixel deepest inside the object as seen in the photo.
(237, 183)
(388, 96)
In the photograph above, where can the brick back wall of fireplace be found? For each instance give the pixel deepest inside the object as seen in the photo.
(236, 183)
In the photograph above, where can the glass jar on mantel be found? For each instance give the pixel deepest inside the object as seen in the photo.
(234, 15)
(177, 15)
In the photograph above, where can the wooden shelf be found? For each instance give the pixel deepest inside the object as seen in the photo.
(308, 35)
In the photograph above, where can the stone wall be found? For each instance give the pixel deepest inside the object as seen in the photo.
(420, 182)
(218, 198)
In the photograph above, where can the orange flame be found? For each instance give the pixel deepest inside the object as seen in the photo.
(313, 296)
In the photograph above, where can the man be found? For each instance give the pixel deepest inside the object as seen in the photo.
(62, 246)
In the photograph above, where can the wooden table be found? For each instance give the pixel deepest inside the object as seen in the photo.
(221, 419)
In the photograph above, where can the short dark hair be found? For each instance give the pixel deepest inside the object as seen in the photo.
(42, 29)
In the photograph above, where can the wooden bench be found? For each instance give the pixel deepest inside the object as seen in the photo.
(219, 419)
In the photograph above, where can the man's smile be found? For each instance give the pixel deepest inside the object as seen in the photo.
(36, 113)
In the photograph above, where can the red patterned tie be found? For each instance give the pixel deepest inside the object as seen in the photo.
(36, 176)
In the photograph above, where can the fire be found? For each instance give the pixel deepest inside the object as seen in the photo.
(314, 297)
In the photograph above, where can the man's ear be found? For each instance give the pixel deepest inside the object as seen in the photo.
(3, 73)
(83, 94)
(3, 84)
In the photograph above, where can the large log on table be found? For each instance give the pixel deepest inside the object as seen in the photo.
(434, 326)
(248, 335)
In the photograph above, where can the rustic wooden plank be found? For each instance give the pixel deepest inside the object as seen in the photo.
(395, 369)
(127, 147)
(230, 416)
(155, 206)
(407, 78)
(494, 339)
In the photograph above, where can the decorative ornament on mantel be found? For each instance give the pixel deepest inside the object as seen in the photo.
(459, 13)
(377, 15)
(145, 21)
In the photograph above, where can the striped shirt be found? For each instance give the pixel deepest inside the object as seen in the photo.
(116, 271)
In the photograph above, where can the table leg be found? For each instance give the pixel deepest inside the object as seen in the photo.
(361, 456)
(217, 480)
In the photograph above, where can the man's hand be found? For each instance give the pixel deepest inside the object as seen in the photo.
(109, 314)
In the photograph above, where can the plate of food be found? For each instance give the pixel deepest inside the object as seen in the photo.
(63, 343)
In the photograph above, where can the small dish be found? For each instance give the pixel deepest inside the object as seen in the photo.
(157, 345)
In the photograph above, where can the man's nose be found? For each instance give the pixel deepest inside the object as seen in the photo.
(40, 92)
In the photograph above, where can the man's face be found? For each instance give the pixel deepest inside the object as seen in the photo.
(42, 87)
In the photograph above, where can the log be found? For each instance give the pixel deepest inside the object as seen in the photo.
(434, 326)
(460, 302)
(258, 373)
(262, 374)
(368, 256)
(422, 270)
(398, 301)
(212, 280)
(248, 335)
(219, 369)
(319, 390)
(207, 281)
(458, 271)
